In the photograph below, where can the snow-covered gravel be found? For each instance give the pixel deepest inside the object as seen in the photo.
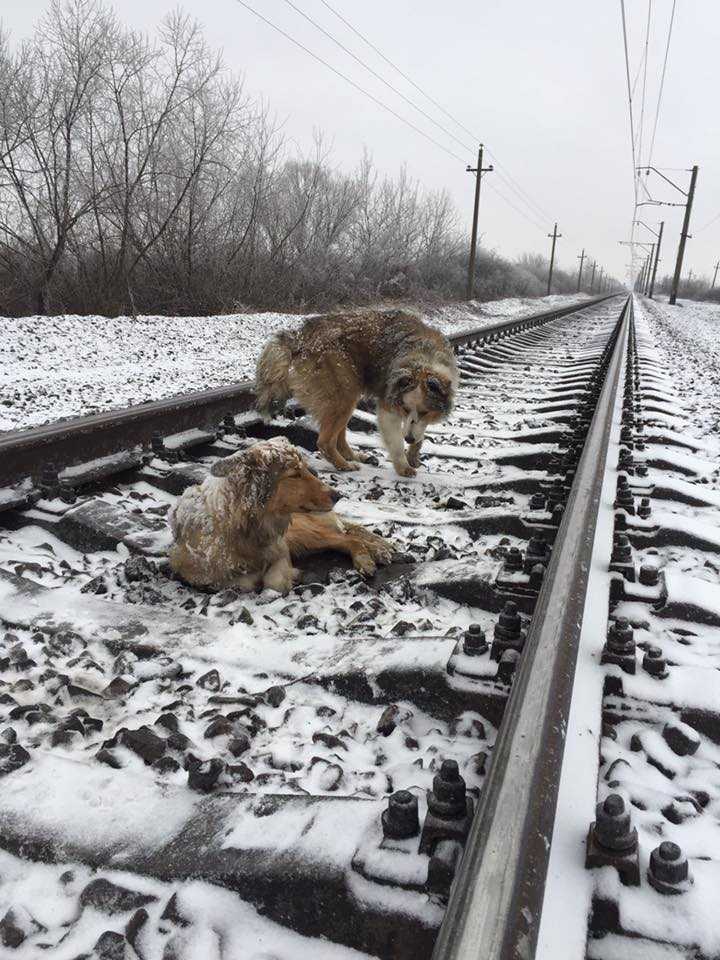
(53, 368)
(688, 338)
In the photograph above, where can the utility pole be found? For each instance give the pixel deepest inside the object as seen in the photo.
(479, 170)
(592, 278)
(555, 236)
(643, 275)
(716, 273)
(683, 236)
(646, 287)
(581, 258)
(600, 281)
(657, 259)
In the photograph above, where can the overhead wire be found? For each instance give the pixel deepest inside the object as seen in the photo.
(708, 224)
(632, 136)
(662, 82)
(644, 88)
(374, 72)
(377, 101)
(352, 83)
(505, 176)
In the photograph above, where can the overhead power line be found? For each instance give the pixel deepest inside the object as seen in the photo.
(379, 103)
(662, 82)
(708, 224)
(347, 79)
(505, 176)
(375, 74)
(644, 87)
(632, 137)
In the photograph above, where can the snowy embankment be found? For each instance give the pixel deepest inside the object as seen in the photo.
(52, 368)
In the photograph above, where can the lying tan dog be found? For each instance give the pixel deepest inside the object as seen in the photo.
(332, 361)
(259, 509)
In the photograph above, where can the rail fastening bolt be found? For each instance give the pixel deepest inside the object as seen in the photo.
(508, 633)
(557, 514)
(644, 509)
(649, 575)
(474, 642)
(668, 871)
(447, 798)
(654, 663)
(507, 667)
(401, 819)
(619, 646)
(613, 829)
(537, 551)
(622, 551)
(49, 483)
(514, 559)
(536, 576)
(537, 502)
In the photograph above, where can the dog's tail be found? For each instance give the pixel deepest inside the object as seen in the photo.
(272, 383)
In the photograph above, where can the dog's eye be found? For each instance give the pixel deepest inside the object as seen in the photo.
(434, 386)
(403, 383)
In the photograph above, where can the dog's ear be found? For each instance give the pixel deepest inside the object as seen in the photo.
(263, 469)
(402, 382)
(228, 465)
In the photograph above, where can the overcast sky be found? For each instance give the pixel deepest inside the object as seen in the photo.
(542, 84)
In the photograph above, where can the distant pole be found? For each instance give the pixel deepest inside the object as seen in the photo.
(600, 281)
(479, 170)
(683, 236)
(716, 273)
(657, 259)
(592, 278)
(581, 258)
(555, 236)
(646, 287)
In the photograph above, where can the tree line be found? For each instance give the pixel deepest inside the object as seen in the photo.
(137, 176)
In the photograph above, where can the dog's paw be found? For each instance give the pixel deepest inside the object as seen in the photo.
(382, 553)
(364, 563)
(405, 470)
(413, 455)
(281, 583)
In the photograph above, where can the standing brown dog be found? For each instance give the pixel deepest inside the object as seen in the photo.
(332, 361)
(256, 511)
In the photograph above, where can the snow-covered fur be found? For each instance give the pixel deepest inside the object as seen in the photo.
(331, 361)
(257, 510)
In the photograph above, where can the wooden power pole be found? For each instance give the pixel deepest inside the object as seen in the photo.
(581, 258)
(716, 273)
(657, 259)
(683, 236)
(555, 236)
(479, 170)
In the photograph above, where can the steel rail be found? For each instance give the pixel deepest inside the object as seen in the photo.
(24, 453)
(496, 899)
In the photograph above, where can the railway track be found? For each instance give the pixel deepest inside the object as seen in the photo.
(403, 766)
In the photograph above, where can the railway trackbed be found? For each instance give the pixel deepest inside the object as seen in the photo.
(404, 767)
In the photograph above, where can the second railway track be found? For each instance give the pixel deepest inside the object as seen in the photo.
(352, 756)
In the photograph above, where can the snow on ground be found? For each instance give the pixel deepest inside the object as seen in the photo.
(688, 337)
(52, 368)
